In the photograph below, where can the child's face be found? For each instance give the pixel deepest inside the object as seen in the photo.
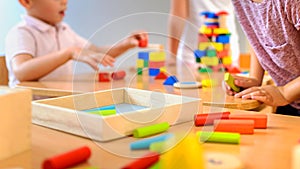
(49, 11)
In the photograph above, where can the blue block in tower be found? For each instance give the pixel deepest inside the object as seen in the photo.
(208, 14)
(170, 80)
(223, 39)
(153, 71)
(143, 55)
(199, 53)
(211, 24)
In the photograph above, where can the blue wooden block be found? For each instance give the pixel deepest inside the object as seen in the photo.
(199, 53)
(170, 80)
(223, 39)
(208, 14)
(145, 143)
(143, 55)
(208, 24)
(153, 72)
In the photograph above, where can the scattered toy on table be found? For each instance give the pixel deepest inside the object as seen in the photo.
(143, 162)
(145, 143)
(108, 76)
(68, 159)
(170, 80)
(187, 85)
(219, 137)
(150, 130)
(236, 126)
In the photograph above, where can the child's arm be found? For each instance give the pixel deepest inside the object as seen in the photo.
(121, 47)
(26, 68)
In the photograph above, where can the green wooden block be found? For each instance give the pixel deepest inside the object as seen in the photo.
(146, 63)
(219, 137)
(139, 71)
(211, 53)
(230, 81)
(150, 130)
(205, 70)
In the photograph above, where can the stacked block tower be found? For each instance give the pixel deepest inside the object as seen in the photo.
(214, 52)
(152, 62)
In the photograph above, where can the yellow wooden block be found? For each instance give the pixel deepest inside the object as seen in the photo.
(157, 56)
(140, 63)
(205, 30)
(204, 45)
(227, 60)
(15, 113)
(210, 61)
(163, 69)
(209, 82)
(183, 153)
(221, 31)
(218, 46)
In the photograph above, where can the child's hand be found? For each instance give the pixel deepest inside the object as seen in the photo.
(133, 40)
(91, 58)
(270, 95)
(240, 81)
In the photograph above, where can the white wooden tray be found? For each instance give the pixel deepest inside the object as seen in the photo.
(65, 113)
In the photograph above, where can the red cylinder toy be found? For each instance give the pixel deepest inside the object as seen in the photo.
(118, 75)
(68, 159)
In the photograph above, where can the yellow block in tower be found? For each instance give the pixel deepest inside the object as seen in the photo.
(204, 45)
(227, 60)
(219, 31)
(205, 30)
(157, 56)
(210, 61)
(218, 46)
(140, 63)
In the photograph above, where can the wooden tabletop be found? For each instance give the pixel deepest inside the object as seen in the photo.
(88, 82)
(267, 148)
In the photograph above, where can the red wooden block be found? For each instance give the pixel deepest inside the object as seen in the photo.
(68, 159)
(156, 64)
(143, 162)
(161, 75)
(223, 53)
(143, 43)
(233, 70)
(118, 75)
(208, 118)
(260, 120)
(235, 126)
(104, 77)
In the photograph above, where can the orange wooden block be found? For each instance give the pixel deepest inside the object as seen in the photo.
(208, 118)
(235, 126)
(244, 61)
(260, 120)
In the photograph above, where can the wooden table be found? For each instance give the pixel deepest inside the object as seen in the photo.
(88, 82)
(267, 148)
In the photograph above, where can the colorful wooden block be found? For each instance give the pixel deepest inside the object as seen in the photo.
(205, 30)
(211, 53)
(170, 80)
(202, 38)
(227, 46)
(260, 120)
(223, 53)
(143, 55)
(118, 75)
(150, 130)
(235, 126)
(145, 143)
(163, 69)
(140, 63)
(210, 61)
(218, 46)
(220, 31)
(204, 45)
(139, 71)
(161, 75)
(153, 72)
(68, 159)
(227, 60)
(15, 113)
(157, 56)
(209, 82)
(208, 118)
(205, 70)
(219, 137)
(104, 77)
(199, 53)
(153, 64)
(233, 69)
(144, 162)
(230, 81)
(223, 39)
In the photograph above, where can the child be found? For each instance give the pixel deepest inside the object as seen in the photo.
(42, 46)
(185, 21)
(272, 27)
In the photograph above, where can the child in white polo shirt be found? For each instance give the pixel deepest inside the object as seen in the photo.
(42, 46)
